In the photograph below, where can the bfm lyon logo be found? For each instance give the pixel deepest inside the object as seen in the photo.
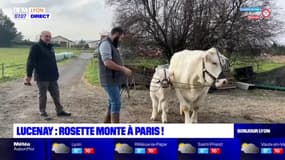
(31, 13)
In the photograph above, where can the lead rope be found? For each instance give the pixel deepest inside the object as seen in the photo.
(188, 85)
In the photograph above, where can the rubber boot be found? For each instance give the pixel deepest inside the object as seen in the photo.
(107, 118)
(115, 118)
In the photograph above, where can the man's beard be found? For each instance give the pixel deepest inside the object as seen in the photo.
(116, 42)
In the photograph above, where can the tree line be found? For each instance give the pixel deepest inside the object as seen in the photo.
(174, 25)
(8, 32)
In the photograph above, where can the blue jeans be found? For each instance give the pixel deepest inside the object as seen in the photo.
(114, 98)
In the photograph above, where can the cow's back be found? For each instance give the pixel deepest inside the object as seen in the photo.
(186, 65)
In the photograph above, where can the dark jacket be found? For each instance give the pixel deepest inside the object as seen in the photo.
(108, 76)
(42, 59)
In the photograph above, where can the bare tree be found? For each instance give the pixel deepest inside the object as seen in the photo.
(173, 25)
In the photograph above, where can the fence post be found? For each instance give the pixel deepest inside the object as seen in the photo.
(3, 70)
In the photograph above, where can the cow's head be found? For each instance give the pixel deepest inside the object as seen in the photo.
(215, 62)
(162, 77)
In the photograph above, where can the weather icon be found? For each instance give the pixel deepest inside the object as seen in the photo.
(123, 148)
(186, 148)
(60, 148)
(249, 148)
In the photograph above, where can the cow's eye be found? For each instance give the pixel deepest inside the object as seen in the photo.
(214, 63)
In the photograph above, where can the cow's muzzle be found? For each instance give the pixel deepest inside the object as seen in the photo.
(165, 83)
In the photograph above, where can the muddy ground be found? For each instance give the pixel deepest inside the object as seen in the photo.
(19, 103)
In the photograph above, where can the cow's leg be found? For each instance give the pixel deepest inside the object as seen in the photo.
(194, 116)
(181, 109)
(169, 94)
(164, 104)
(159, 108)
(181, 100)
(186, 112)
(154, 107)
(196, 105)
(184, 108)
(162, 98)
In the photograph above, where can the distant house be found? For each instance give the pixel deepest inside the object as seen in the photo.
(93, 44)
(62, 41)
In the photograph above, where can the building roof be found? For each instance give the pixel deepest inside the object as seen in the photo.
(96, 41)
(59, 36)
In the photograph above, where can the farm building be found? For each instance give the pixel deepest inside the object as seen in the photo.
(93, 44)
(62, 41)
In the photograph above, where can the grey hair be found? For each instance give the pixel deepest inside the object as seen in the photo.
(43, 32)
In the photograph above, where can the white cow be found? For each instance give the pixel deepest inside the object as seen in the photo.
(192, 72)
(160, 92)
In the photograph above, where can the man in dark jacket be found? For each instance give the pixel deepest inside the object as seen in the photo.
(42, 60)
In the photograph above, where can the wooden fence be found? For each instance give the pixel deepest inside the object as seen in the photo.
(5, 67)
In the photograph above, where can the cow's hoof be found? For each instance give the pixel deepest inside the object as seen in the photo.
(188, 122)
(164, 121)
(192, 122)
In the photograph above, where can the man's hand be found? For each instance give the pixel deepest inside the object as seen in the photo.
(112, 65)
(126, 71)
(28, 81)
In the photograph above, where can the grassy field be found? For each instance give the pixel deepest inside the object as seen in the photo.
(18, 56)
(91, 72)
(259, 65)
(146, 62)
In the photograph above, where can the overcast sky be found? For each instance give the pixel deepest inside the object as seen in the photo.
(78, 19)
(73, 19)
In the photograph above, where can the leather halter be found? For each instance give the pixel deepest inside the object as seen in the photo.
(205, 71)
(165, 82)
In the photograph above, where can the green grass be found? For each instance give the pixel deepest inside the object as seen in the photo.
(146, 62)
(12, 56)
(268, 66)
(91, 72)
(18, 56)
(259, 66)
